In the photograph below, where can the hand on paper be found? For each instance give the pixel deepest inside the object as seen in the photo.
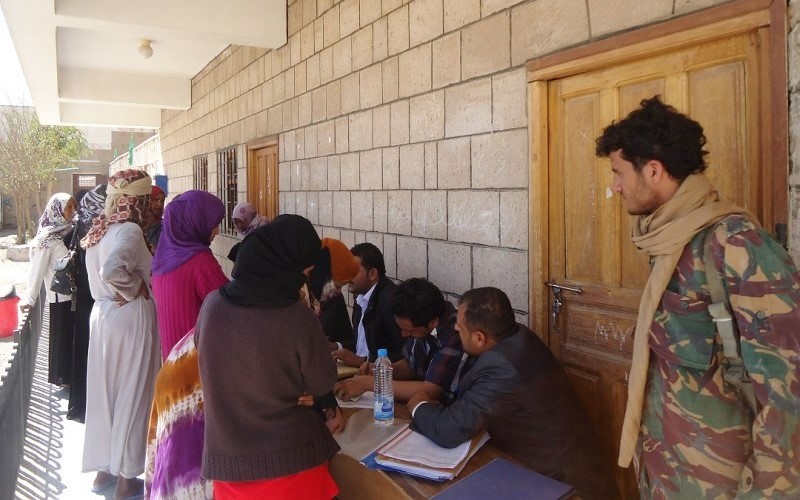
(352, 387)
(347, 357)
(366, 368)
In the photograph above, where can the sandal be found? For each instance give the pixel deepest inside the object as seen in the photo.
(97, 488)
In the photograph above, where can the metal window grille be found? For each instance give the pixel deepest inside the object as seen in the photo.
(201, 173)
(87, 181)
(227, 184)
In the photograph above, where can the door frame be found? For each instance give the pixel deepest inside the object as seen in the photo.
(724, 20)
(252, 147)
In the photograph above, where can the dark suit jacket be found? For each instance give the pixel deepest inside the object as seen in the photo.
(519, 393)
(336, 323)
(380, 328)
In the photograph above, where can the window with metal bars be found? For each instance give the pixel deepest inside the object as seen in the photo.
(87, 181)
(227, 184)
(200, 164)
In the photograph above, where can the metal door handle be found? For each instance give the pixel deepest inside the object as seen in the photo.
(557, 300)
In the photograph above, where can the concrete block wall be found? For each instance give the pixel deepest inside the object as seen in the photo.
(400, 122)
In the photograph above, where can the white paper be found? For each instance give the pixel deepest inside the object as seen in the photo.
(366, 400)
(414, 447)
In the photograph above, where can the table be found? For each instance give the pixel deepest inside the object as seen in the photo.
(356, 482)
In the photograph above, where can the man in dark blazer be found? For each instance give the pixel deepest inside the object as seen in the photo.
(519, 393)
(373, 322)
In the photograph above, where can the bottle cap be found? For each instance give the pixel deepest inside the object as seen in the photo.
(382, 353)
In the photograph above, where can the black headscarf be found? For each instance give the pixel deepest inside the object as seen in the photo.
(270, 262)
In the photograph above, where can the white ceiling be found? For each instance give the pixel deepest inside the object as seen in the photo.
(81, 59)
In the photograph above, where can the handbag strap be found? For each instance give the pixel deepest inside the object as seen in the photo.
(73, 242)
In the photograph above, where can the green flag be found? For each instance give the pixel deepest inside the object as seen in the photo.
(130, 152)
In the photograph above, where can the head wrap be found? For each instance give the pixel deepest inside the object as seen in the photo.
(92, 205)
(247, 214)
(127, 200)
(188, 222)
(156, 192)
(270, 263)
(52, 224)
(343, 263)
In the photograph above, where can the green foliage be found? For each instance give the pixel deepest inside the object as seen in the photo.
(31, 152)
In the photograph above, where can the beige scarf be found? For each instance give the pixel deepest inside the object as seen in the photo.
(662, 235)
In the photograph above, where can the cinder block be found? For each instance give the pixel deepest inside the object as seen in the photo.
(334, 173)
(469, 108)
(326, 208)
(431, 168)
(473, 217)
(415, 71)
(426, 19)
(300, 203)
(489, 7)
(454, 163)
(371, 82)
(342, 58)
(618, 15)
(412, 166)
(330, 22)
(341, 208)
(514, 219)
(500, 160)
(304, 103)
(390, 254)
(326, 65)
(485, 46)
(350, 176)
(348, 17)
(400, 131)
(297, 181)
(380, 39)
(318, 174)
(398, 31)
(412, 258)
(360, 130)
(509, 100)
(427, 116)
(399, 216)
(391, 78)
(381, 125)
(334, 99)
(391, 168)
(371, 169)
(350, 93)
(370, 11)
(311, 141)
(446, 60)
(312, 207)
(307, 41)
(326, 138)
(342, 135)
(361, 213)
(544, 26)
(450, 266)
(429, 214)
(319, 104)
(380, 210)
(503, 269)
(362, 48)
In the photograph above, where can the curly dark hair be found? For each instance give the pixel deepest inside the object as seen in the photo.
(418, 300)
(657, 131)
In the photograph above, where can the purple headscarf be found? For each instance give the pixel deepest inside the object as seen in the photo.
(187, 225)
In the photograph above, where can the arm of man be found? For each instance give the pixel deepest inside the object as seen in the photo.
(489, 397)
(764, 291)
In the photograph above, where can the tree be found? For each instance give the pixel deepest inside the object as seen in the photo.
(30, 153)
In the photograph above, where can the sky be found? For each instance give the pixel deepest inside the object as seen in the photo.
(13, 88)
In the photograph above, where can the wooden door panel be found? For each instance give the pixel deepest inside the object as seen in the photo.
(589, 230)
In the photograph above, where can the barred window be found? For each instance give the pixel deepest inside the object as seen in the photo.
(87, 181)
(201, 172)
(227, 184)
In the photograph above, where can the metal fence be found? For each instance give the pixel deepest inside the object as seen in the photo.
(15, 396)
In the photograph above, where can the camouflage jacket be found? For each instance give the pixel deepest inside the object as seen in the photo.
(699, 438)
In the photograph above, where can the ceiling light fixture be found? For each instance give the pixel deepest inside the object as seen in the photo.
(145, 50)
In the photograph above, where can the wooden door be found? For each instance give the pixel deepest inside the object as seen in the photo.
(718, 84)
(262, 180)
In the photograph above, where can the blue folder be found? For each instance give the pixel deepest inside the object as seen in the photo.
(501, 479)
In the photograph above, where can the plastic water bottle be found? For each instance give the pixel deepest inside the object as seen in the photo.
(384, 391)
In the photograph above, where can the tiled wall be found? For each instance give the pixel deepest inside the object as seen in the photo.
(402, 123)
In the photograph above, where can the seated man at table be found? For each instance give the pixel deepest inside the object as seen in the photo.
(519, 393)
(373, 323)
(433, 360)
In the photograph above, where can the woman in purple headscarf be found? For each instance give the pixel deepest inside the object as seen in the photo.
(184, 269)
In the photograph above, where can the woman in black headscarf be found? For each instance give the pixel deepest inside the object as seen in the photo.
(260, 348)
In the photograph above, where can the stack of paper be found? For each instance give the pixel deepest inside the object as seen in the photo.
(366, 400)
(413, 453)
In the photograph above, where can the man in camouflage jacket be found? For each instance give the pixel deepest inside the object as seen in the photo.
(698, 437)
